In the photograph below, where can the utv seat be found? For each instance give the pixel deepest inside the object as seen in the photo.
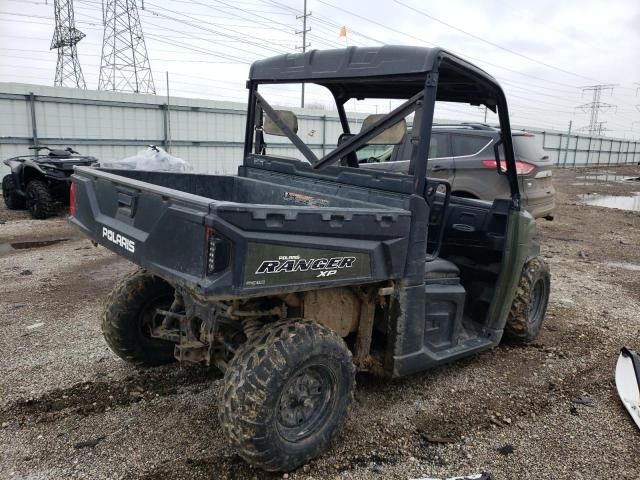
(439, 270)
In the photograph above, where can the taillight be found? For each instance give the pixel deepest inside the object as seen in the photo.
(218, 252)
(72, 200)
(522, 168)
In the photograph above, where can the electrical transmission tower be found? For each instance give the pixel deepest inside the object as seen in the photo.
(595, 106)
(125, 64)
(65, 38)
(304, 46)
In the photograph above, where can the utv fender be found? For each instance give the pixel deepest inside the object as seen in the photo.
(534, 250)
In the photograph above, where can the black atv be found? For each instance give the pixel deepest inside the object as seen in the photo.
(41, 182)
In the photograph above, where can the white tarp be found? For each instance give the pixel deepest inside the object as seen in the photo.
(154, 159)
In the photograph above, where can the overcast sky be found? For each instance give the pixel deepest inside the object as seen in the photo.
(541, 52)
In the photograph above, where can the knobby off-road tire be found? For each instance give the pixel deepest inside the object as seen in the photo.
(12, 200)
(286, 394)
(129, 315)
(530, 302)
(39, 200)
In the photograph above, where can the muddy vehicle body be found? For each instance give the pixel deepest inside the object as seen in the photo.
(294, 274)
(41, 183)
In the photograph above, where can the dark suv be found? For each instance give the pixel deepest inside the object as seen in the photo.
(463, 155)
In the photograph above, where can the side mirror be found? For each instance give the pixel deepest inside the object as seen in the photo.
(394, 135)
(285, 116)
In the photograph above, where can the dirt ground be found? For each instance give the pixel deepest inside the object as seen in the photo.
(69, 408)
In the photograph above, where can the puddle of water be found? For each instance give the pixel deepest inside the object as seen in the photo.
(608, 177)
(621, 202)
(625, 266)
(11, 247)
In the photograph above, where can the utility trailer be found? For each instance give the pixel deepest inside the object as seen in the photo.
(296, 273)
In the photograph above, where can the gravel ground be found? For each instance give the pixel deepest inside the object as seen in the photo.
(69, 408)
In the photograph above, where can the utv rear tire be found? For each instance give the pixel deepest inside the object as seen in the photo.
(39, 200)
(12, 199)
(129, 314)
(530, 302)
(286, 394)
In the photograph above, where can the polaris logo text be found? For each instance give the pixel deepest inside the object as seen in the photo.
(118, 239)
(326, 267)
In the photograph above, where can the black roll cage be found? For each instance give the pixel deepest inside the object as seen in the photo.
(422, 102)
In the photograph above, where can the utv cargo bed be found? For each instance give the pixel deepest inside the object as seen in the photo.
(226, 236)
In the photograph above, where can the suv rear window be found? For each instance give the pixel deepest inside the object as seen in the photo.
(464, 145)
(526, 147)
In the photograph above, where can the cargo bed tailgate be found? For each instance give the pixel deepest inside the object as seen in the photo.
(155, 227)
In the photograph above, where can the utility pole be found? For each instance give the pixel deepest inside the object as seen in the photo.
(566, 147)
(304, 46)
(168, 117)
(65, 38)
(595, 106)
(125, 64)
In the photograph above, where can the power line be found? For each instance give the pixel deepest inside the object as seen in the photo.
(489, 42)
(240, 36)
(382, 25)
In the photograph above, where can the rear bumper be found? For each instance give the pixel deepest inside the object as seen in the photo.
(541, 207)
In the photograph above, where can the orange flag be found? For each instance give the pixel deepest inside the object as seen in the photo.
(343, 32)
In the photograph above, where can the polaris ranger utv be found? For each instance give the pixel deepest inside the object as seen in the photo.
(41, 182)
(295, 274)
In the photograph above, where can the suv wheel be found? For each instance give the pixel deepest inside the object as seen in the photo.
(286, 394)
(39, 200)
(530, 303)
(12, 199)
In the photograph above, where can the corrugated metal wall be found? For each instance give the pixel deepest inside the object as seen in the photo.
(207, 133)
(110, 125)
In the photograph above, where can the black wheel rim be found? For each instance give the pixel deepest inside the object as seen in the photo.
(537, 302)
(305, 402)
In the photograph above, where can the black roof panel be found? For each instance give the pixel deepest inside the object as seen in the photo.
(346, 62)
(389, 71)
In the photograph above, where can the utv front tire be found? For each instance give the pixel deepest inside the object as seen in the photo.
(286, 394)
(12, 199)
(530, 302)
(131, 313)
(39, 200)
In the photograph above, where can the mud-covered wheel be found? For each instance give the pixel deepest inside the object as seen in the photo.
(286, 394)
(530, 302)
(131, 314)
(12, 199)
(39, 200)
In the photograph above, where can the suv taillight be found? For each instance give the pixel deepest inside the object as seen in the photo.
(218, 252)
(522, 168)
(72, 200)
